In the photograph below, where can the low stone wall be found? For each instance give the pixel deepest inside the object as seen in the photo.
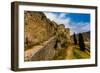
(46, 52)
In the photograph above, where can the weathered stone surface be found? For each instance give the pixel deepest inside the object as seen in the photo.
(37, 28)
(45, 51)
(40, 29)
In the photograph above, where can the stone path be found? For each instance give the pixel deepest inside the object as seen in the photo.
(29, 53)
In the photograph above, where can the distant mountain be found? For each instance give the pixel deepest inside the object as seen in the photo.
(86, 36)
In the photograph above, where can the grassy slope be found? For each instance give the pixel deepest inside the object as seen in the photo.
(77, 54)
(60, 55)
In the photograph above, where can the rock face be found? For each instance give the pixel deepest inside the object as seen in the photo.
(38, 29)
(63, 36)
(47, 52)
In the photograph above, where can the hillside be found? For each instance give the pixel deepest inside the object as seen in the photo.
(38, 28)
(46, 40)
(86, 36)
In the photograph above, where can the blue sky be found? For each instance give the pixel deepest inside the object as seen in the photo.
(77, 22)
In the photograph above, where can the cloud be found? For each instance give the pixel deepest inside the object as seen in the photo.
(79, 27)
(75, 27)
(58, 18)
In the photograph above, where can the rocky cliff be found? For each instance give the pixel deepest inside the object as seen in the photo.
(39, 29)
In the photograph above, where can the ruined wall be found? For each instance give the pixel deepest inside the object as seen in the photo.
(47, 35)
(47, 52)
(37, 28)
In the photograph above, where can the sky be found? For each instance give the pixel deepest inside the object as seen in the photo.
(77, 22)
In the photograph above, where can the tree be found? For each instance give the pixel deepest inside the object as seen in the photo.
(81, 42)
(75, 40)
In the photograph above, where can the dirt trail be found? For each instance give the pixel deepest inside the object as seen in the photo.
(69, 52)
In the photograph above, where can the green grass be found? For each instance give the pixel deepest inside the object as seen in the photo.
(77, 54)
(60, 55)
